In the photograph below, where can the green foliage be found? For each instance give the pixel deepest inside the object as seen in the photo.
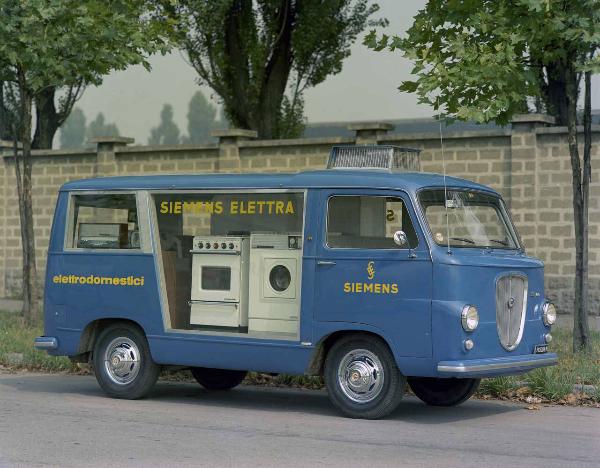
(18, 339)
(498, 386)
(59, 42)
(201, 119)
(167, 133)
(481, 59)
(99, 128)
(253, 53)
(72, 132)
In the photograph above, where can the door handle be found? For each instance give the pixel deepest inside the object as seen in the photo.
(325, 262)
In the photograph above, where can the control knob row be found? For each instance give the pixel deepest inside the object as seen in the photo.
(208, 245)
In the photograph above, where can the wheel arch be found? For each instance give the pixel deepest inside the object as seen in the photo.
(92, 330)
(317, 361)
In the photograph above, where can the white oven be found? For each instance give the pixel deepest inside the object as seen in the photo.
(219, 281)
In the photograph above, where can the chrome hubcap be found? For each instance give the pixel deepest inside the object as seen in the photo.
(361, 376)
(122, 361)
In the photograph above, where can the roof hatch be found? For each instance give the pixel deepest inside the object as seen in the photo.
(382, 157)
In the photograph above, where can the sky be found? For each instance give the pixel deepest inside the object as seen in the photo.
(365, 89)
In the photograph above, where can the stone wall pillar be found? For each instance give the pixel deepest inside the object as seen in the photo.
(523, 183)
(229, 150)
(106, 146)
(369, 133)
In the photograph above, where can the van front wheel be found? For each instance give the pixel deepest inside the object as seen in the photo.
(218, 379)
(122, 362)
(443, 392)
(362, 378)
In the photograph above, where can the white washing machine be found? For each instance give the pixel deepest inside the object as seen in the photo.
(275, 277)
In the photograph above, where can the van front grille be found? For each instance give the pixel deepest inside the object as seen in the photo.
(511, 304)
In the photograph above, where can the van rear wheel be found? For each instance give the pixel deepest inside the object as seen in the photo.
(443, 392)
(218, 379)
(362, 378)
(122, 362)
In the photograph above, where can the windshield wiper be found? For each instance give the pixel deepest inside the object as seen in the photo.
(498, 241)
(463, 239)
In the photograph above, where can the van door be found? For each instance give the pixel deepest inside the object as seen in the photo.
(364, 277)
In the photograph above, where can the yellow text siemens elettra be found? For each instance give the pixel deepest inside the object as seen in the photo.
(234, 207)
(371, 288)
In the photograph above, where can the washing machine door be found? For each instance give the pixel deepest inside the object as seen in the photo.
(280, 278)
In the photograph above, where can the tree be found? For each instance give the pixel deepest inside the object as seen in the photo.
(201, 119)
(167, 132)
(49, 118)
(46, 43)
(72, 132)
(260, 56)
(484, 59)
(99, 128)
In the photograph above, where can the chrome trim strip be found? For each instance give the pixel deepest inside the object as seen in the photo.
(497, 365)
(45, 342)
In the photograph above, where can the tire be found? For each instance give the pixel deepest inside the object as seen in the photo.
(218, 379)
(122, 362)
(443, 392)
(362, 378)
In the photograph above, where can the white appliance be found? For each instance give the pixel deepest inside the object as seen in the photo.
(275, 276)
(220, 281)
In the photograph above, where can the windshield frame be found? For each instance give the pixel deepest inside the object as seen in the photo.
(504, 216)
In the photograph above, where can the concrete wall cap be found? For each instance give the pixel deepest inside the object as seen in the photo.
(114, 139)
(357, 126)
(233, 133)
(534, 118)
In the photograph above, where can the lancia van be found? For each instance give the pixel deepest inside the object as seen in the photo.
(368, 274)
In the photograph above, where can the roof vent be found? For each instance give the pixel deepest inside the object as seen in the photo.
(382, 157)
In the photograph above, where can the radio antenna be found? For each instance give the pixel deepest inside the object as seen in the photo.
(445, 185)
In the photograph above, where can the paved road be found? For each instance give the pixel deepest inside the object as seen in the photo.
(67, 421)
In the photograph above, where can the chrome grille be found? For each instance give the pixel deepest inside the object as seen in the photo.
(511, 304)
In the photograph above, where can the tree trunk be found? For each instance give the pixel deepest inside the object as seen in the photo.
(554, 92)
(276, 76)
(23, 174)
(581, 330)
(238, 103)
(260, 109)
(580, 191)
(47, 119)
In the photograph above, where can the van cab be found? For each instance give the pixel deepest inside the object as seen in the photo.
(372, 277)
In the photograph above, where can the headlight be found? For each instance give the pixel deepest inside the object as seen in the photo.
(469, 318)
(549, 314)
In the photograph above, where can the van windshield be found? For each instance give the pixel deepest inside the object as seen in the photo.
(474, 219)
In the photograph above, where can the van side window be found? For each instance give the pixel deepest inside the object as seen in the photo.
(367, 222)
(105, 222)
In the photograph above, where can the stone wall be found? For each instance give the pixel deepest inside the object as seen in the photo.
(528, 163)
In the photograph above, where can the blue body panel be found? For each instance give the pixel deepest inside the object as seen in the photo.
(421, 322)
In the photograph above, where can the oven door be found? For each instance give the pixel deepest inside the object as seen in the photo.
(216, 277)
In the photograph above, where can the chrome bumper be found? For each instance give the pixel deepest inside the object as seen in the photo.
(45, 343)
(497, 366)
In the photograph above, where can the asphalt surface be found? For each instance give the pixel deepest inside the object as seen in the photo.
(63, 420)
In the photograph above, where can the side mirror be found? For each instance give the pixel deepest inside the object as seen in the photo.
(400, 238)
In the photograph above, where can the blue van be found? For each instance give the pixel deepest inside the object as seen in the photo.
(372, 277)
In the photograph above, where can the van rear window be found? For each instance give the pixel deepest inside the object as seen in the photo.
(107, 221)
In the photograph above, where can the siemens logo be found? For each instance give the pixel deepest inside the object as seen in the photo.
(373, 288)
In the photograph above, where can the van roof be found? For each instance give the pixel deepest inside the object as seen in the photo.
(359, 178)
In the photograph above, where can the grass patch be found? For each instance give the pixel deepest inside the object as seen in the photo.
(555, 384)
(17, 351)
(549, 384)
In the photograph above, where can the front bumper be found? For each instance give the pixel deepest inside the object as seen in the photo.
(45, 343)
(496, 366)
